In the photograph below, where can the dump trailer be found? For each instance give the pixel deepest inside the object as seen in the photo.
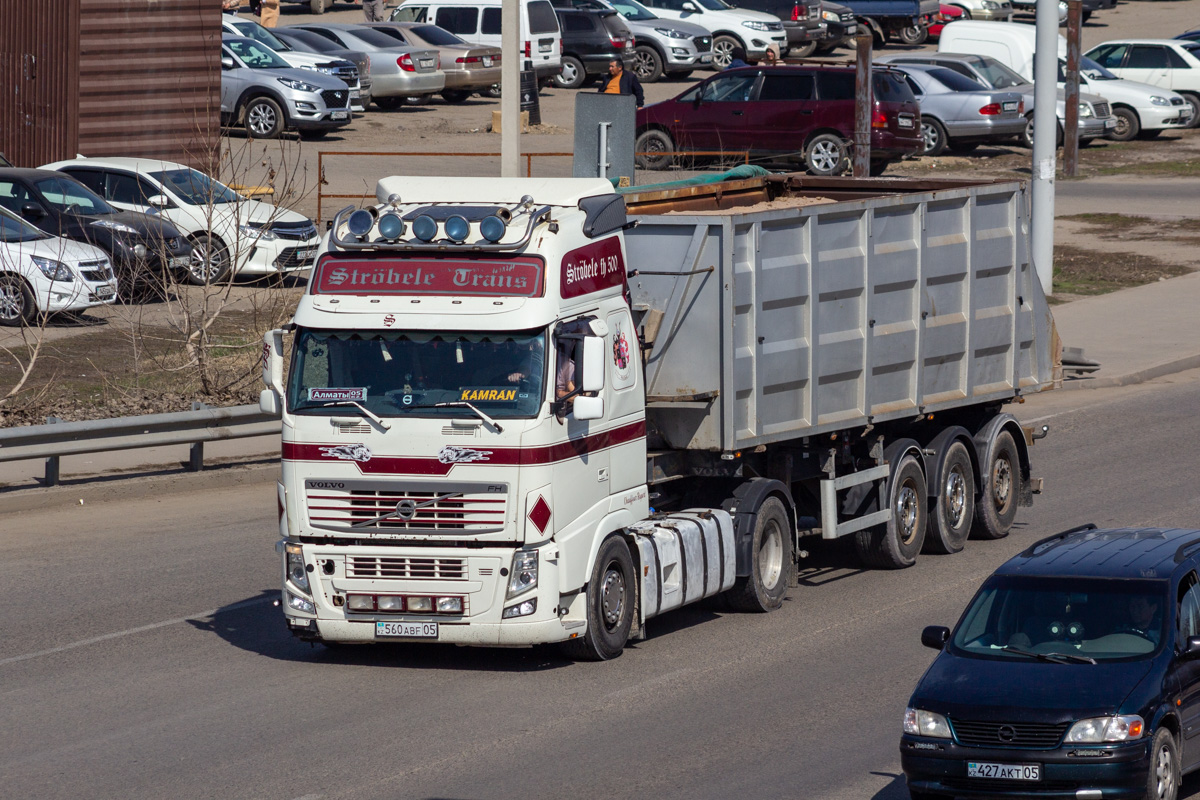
(523, 411)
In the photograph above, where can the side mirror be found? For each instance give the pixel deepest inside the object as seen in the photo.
(159, 201)
(935, 636)
(226, 62)
(1191, 650)
(592, 379)
(268, 402)
(691, 8)
(32, 210)
(588, 408)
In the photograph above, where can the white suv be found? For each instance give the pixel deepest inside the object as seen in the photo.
(753, 31)
(225, 229)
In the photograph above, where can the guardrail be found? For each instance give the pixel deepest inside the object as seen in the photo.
(202, 424)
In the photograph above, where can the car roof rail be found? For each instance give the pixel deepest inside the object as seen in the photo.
(1186, 550)
(1033, 548)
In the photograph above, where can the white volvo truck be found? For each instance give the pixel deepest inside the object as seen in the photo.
(537, 410)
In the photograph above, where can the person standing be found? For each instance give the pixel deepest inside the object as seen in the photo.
(269, 13)
(622, 82)
(372, 10)
(230, 6)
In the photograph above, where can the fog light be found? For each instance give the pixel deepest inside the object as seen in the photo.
(391, 603)
(360, 602)
(425, 228)
(139, 250)
(391, 227)
(679, 52)
(457, 228)
(521, 609)
(301, 604)
(419, 605)
(492, 228)
(449, 605)
(360, 222)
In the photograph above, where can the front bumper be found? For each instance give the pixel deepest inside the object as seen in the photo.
(940, 766)
(757, 42)
(279, 255)
(54, 296)
(1092, 127)
(683, 54)
(1157, 117)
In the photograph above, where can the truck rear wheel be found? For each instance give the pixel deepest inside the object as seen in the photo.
(896, 543)
(999, 488)
(953, 510)
(611, 597)
(772, 562)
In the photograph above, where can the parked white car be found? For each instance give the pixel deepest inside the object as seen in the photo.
(227, 231)
(44, 274)
(753, 31)
(1166, 63)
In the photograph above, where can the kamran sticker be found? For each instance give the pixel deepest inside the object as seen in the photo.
(488, 394)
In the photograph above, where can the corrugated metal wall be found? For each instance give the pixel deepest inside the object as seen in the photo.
(110, 77)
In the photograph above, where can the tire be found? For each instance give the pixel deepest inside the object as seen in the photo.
(999, 488)
(1163, 778)
(913, 34)
(611, 599)
(827, 154)
(722, 51)
(18, 306)
(491, 91)
(1193, 100)
(388, 103)
(877, 168)
(573, 74)
(896, 543)
(318, 6)
(647, 64)
(963, 148)
(456, 96)
(772, 562)
(966, 12)
(953, 508)
(1085, 16)
(934, 134)
(651, 142)
(1128, 124)
(209, 261)
(803, 51)
(1026, 136)
(263, 118)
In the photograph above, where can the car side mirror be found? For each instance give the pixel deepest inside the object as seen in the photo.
(159, 201)
(1191, 650)
(935, 636)
(592, 379)
(32, 210)
(691, 8)
(268, 402)
(588, 408)
(226, 62)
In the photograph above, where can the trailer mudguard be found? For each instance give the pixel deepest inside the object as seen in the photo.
(985, 437)
(743, 506)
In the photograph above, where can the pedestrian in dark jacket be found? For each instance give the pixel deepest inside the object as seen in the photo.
(737, 58)
(622, 82)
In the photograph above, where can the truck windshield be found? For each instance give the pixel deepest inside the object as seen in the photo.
(394, 373)
(1103, 619)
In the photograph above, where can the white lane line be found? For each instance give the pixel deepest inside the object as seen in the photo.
(131, 631)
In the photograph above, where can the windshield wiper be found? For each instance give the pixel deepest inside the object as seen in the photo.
(378, 420)
(478, 413)
(1057, 658)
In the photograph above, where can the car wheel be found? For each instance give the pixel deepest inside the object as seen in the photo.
(388, 103)
(966, 12)
(491, 91)
(17, 304)
(209, 261)
(826, 155)
(652, 147)
(877, 168)
(647, 64)
(914, 34)
(1162, 782)
(999, 488)
(934, 134)
(572, 75)
(1193, 101)
(1085, 16)
(1128, 125)
(722, 51)
(898, 541)
(953, 510)
(263, 118)
(456, 96)
(318, 6)
(611, 599)
(803, 51)
(772, 562)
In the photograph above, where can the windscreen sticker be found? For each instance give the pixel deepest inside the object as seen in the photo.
(335, 395)
(495, 394)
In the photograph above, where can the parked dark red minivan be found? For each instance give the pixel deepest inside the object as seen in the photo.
(801, 113)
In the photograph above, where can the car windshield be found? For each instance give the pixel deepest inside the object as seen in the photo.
(255, 55)
(65, 194)
(438, 37)
(954, 81)
(1104, 619)
(632, 10)
(715, 5)
(393, 373)
(312, 41)
(195, 188)
(14, 229)
(259, 34)
(1089, 68)
(998, 75)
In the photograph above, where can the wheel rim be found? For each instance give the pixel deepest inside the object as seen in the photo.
(770, 556)
(907, 512)
(954, 496)
(612, 597)
(655, 145)
(205, 264)
(722, 52)
(1122, 126)
(261, 118)
(930, 135)
(825, 156)
(1164, 773)
(643, 64)
(11, 302)
(1002, 482)
(568, 74)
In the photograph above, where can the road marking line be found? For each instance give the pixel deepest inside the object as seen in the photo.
(131, 631)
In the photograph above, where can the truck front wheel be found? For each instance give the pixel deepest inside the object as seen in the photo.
(611, 595)
(897, 542)
(772, 561)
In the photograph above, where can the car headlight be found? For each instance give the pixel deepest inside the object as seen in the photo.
(54, 270)
(1106, 729)
(756, 26)
(254, 232)
(299, 86)
(1085, 110)
(671, 33)
(297, 573)
(1159, 101)
(119, 227)
(830, 16)
(524, 575)
(925, 723)
(990, 6)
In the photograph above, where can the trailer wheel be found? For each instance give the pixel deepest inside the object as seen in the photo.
(610, 602)
(953, 511)
(896, 543)
(1000, 486)
(772, 564)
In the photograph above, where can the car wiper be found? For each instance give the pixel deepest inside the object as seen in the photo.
(478, 413)
(378, 420)
(1056, 658)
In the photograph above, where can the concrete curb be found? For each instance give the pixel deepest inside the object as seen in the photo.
(1141, 376)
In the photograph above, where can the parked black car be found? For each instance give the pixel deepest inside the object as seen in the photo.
(801, 21)
(590, 39)
(140, 246)
(1074, 672)
(840, 26)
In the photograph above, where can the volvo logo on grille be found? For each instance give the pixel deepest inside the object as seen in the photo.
(406, 509)
(1007, 733)
(326, 485)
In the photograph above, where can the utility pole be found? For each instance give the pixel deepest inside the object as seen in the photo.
(864, 104)
(1071, 123)
(1045, 145)
(510, 94)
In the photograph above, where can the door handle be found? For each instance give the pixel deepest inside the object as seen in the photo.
(738, 113)
(806, 111)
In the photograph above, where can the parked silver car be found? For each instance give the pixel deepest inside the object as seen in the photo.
(960, 113)
(260, 90)
(1095, 114)
(306, 42)
(398, 71)
(469, 68)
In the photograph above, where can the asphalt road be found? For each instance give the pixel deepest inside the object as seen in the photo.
(141, 656)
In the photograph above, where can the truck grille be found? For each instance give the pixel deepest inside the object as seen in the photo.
(336, 98)
(1030, 735)
(408, 569)
(848, 18)
(342, 509)
(1102, 110)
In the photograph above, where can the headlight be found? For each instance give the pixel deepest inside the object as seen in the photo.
(756, 26)
(299, 86)
(1085, 110)
(119, 227)
(925, 723)
(671, 33)
(1106, 729)
(254, 232)
(521, 609)
(296, 571)
(990, 6)
(830, 16)
(54, 270)
(1159, 101)
(524, 574)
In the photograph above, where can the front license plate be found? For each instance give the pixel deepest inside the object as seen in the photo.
(106, 291)
(487, 61)
(179, 261)
(1110, 123)
(306, 255)
(904, 122)
(1005, 772)
(355, 94)
(706, 59)
(408, 630)
(1010, 106)
(851, 29)
(338, 115)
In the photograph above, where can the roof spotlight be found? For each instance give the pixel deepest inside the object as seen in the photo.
(360, 222)
(425, 228)
(457, 227)
(492, 228)
(391, 227)
(393, 199)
